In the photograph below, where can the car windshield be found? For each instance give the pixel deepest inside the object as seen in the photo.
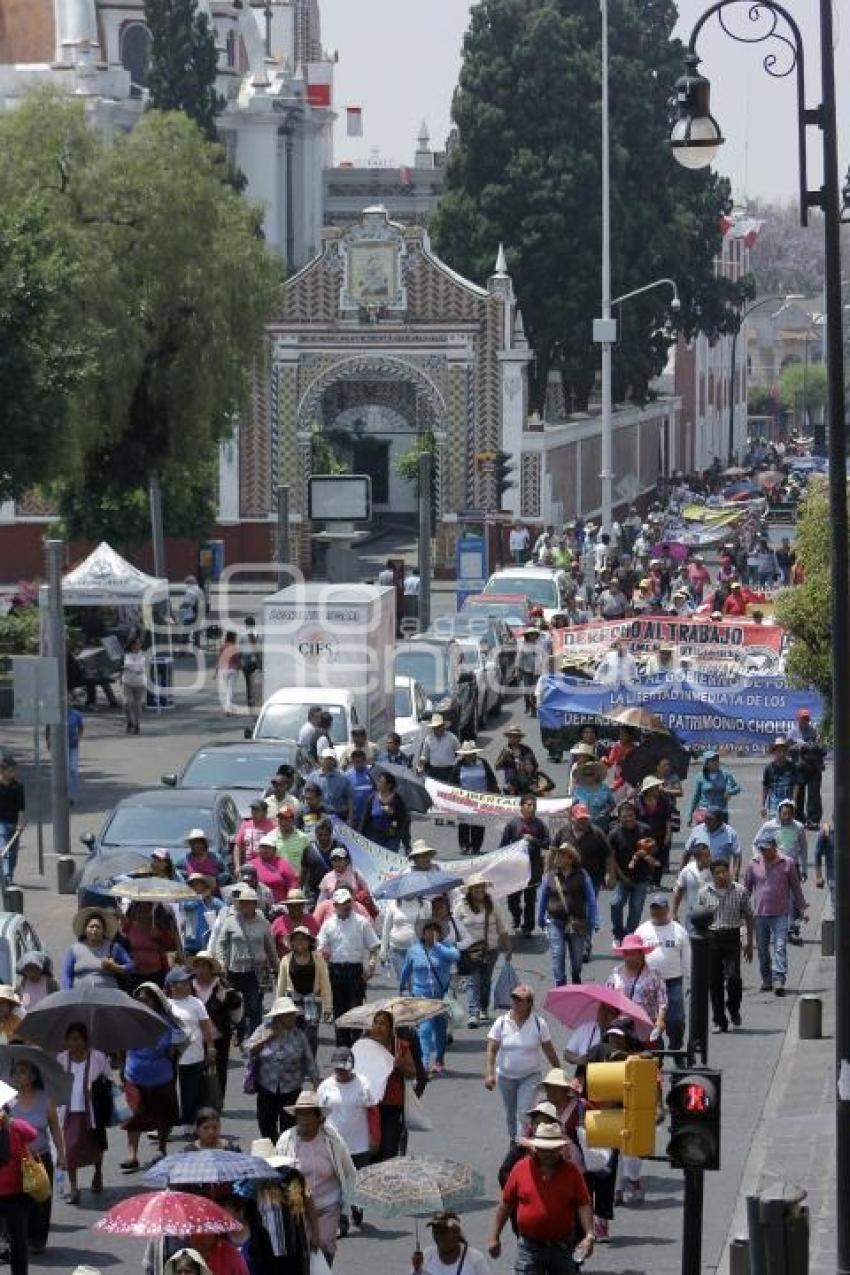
(284, 721)
(146, 825)
(403, 706)
(216, 769)
(426, 665)
(510, 612)
(471, 653)
(539, 590)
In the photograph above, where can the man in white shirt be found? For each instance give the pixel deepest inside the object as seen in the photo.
(518, 542)
(618, 667)
(438, 754)
(351, 947)
(309, 733)
(350, 1108)
(690, 881)
(671, 958)
(195, 1021)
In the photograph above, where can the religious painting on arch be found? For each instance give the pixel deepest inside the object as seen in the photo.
(373, 273)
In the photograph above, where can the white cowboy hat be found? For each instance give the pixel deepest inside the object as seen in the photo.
(467, 749)
(548, 1136)
(196, 834)
(282, 1005)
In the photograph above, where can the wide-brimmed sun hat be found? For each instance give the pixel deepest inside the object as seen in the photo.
(548, 1136)
(307, 1100)
(106, 915)
(632, 945)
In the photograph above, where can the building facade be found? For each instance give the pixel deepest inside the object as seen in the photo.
(409, 193)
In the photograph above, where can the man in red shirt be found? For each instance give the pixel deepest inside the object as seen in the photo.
(548, 1200)
(736, 604)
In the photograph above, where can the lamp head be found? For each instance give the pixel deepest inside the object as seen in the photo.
(696, 136)
(675, 305)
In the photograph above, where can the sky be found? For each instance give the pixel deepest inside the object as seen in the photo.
(399, 61)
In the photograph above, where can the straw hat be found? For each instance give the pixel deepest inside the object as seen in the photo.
(282, 1005)
(477, 879)
(513, 729)
(557, 1076)
(583, 750)
(106, 915)
(307, 1100)
(9, 994)
(467, 749)
(548, 1136)
(546, 1109)
(419, 848)
(210, 960)
(650, 783)
(632, 945)
(296, 896)
(196, 834)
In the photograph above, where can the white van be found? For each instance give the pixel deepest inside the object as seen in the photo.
(285, 712)
(541, 585)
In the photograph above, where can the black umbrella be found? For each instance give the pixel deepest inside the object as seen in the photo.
(409, 787)
(642, 761)
(57, 1082)
(113, 1020)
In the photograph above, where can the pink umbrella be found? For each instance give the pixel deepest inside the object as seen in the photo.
(167, 1213)
(578, 1003)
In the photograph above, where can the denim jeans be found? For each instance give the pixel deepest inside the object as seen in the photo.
(632, 895)
(553, 1257)
(560, 942)
(73, 772)
(517, 1098)
(9, 862)
(772, 933)
(433, 1035)
(478, 985)
(675, 1012)
(252, 1014)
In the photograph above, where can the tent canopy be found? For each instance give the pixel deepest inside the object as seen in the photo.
(104, 578)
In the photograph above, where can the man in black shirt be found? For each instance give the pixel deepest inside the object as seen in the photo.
(522, 904)
(594, 848)
(12, 820)
(630, 869)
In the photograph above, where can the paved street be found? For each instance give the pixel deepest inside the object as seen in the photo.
(467, 1120)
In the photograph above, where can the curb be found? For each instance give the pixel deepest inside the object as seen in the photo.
(755, 1169)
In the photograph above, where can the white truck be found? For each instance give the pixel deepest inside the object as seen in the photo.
(328, 644)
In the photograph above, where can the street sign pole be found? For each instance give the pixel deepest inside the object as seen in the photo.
(692, 1222)
(59, 733)
(283, 550)
(424, 540)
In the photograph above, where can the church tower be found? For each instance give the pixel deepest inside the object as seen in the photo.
(308, 32)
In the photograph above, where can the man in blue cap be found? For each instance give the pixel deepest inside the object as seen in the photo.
(720, 837)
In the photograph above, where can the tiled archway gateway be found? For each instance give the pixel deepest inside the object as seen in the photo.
(377, 321)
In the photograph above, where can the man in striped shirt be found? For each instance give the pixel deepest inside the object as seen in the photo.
(730, 903)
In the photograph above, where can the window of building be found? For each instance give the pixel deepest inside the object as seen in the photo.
(135, 45)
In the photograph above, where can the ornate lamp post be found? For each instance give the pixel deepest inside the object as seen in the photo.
(695, 139)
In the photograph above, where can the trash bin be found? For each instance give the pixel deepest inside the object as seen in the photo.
(162, 675)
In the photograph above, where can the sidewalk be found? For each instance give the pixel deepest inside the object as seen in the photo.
(795, 1137)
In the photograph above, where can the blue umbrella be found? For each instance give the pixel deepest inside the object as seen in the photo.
(415, 884)
(208, 1168)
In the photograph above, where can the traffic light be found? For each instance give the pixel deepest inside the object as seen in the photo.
(504, 470)
(694, 1102)
(630, 1127)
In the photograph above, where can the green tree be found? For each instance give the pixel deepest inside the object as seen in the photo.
(805, 609)
(803, 388)
(526, 171)
(183, 62)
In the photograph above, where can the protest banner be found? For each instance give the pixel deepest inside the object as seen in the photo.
(717, 639)
(477, 806)
(749, 715)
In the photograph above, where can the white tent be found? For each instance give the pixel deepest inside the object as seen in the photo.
(104, 578)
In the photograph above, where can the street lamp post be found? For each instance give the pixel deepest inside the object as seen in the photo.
(695, 140)
(605, 329)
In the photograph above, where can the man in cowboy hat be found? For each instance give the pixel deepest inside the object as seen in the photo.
(781, 778)
(438, 754)
(243, 943)
(547, 1198)
(511, 756)
(351, 947)
(474, 774)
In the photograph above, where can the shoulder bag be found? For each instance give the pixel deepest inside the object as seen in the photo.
(35, 1180)
(474, 956)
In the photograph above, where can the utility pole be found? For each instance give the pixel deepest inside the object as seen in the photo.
(55, 550)
(283, 549)
(605, 329)
(157, 533)
(425, 460)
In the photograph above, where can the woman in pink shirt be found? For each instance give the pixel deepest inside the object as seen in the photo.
(251, 832)
(273, 871)
(15, 1137)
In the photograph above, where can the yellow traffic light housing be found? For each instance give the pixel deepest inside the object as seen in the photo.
(630, 1126)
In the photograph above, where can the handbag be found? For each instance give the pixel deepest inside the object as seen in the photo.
(250, 1078)
(596, 1159)
(457, 1014)
(121, 1110)
(474, 956)
(415, 1118)
(505, 984)
(35, 1180)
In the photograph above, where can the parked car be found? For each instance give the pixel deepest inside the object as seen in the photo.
(541, 585)
(17, 936)
(157, 817)
(242, 770)
(511, 609)
(491, 629)
(436, 663)
(412, 708)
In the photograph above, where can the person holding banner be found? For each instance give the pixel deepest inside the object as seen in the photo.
(474, 774)
(536, 835)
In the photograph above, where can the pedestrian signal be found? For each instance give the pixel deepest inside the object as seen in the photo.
(694, 1102)
(630, 1126)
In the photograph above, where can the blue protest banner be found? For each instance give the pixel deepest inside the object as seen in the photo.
(749, 714)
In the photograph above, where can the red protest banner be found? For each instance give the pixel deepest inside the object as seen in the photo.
(719, 639)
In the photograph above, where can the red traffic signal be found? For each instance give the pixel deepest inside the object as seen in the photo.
(694, 1102)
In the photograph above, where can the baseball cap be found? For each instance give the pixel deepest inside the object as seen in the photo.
(342, 895)
(765, 839)
(659, 901)
(579, 811)
(327, 752)
(343, 1058)
(338, 852)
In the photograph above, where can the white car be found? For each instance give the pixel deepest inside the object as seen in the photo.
(412, 707)
(482, 659)
(541, 585)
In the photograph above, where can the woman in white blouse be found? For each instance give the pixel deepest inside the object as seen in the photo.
(134, 683)
(514, 1044)
(84, 1134)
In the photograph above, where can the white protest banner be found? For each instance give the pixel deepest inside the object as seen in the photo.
(508, 868)
(475, 806)
(374, 863)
